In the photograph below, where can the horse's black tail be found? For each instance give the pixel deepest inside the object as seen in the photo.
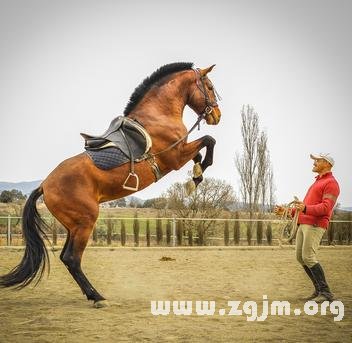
(35, 257)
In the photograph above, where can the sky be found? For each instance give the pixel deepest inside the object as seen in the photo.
(70, 66)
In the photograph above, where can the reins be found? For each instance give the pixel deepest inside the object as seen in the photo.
(294, 220)
(200, 118)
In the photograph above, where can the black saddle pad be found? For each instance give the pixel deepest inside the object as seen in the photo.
(108, 158)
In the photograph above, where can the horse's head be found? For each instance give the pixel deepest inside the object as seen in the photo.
(203, 98)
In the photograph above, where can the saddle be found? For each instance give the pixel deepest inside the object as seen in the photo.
(125, 140)
(123, 133)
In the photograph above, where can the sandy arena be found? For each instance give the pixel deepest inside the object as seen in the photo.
(56, 311)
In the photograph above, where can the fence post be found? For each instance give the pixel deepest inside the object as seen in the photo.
(8, 230)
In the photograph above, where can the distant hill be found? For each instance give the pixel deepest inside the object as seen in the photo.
(25, 187)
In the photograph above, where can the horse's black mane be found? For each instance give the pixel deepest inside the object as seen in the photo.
(148, 82)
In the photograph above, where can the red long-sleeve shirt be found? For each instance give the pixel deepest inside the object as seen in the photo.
(320, 200)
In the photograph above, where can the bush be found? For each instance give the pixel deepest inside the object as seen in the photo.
(11, 196)
(159, 231)
(179, 232)
(136, 230)
(110, 226)
(226, 233)
(249, 233)
(147, 233)
(123, 233)
(190, 236)
(168, 232)
(236, 230)
(269, 234)
(200, 231)
(349, 237)
(259, 232)
(95, 234)
(54, 231)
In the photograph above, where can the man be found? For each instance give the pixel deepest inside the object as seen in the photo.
(315, 213)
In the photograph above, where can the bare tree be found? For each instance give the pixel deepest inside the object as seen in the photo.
(247, 163)
(263, 169)
(272, 187)
(253, 165)
(209, 199)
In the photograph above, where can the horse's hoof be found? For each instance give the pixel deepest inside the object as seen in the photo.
(101, 304)
(190, 187)
(197, 170)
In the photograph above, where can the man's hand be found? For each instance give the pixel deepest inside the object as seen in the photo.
(279, 210)
(300, 206)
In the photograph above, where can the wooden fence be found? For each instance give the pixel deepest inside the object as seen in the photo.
(176, 232)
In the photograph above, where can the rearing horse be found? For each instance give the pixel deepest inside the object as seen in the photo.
(73, 190)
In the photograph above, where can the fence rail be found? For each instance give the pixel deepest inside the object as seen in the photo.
(137, 231)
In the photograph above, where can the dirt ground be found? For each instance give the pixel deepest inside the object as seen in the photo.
(56, 311)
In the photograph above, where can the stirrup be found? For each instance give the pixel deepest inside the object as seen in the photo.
(137, 182)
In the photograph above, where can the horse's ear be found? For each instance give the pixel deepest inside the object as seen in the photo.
(205, 71)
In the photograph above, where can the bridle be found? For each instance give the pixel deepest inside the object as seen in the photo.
(209, 105)
(208, 109)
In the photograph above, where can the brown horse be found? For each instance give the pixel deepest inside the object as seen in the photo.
(73, 190)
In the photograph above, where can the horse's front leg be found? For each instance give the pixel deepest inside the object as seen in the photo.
(200, 166)
(191, 151)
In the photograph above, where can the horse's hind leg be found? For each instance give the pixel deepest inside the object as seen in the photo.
(79, 218)
(72, 255)
(65, 245)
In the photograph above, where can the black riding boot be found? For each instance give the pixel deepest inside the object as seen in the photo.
(324, 290)
(315, 283)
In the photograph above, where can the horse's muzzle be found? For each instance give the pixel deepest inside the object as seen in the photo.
(213, 117)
